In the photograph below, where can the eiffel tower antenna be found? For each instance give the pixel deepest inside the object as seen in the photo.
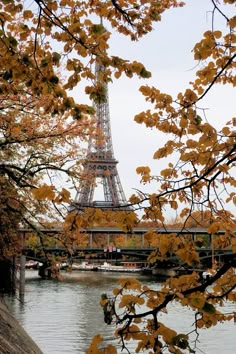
(100, 162)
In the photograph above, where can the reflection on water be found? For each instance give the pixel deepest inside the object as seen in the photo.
(63, 316)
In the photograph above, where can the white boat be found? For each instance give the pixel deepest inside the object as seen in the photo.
(84, 266)
(31, 264)
(107, 267)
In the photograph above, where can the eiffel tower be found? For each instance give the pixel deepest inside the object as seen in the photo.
(100, 163)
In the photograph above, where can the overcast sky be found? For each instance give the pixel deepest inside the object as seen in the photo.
(166, 52)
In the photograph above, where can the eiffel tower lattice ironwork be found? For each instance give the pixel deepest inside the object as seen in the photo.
(100, 162)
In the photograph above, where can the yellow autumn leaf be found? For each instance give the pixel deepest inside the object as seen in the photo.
(63, 196)
(226, 131)
(87, 22)
(152, 303)
(45, 192)
(116, 291)
(143, 170)
(78, 220)
(135, 333)
(190, 96)
(213, 228)
(233, 242)
(103, 302)
(232, 22)
(27, 14)
(137, 320)
(163, 245)
(234, 200)
(224, 168)
(117, 74)
(109, 349)
(134, 328)
(134, 199)
(93, 348)
(166, 173)
(16, 131)
(160, 153)
(197, 301)
(130, 300)
(129, 283)
(167, 333)
(217, 34)
(174, 350)
(183, 122)
(139, 118)
(232, 296)
(174, 204)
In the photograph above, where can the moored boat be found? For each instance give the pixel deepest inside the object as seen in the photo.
(107, 267)
(30, 265)
(84, 266)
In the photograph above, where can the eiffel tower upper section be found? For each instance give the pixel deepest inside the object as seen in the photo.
(100, 163)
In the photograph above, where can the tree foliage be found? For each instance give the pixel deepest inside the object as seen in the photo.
(48, 48)
(199, 185)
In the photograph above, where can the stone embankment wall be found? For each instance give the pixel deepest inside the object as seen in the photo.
(13, 338)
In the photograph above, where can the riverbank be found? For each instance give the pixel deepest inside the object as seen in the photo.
(13, 338)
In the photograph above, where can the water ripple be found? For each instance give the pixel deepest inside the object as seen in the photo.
(63, 316)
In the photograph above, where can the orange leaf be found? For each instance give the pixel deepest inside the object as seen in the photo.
(44, 192)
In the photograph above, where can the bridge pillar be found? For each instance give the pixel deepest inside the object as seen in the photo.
(22, 276)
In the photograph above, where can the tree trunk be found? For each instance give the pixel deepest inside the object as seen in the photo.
(13, 338)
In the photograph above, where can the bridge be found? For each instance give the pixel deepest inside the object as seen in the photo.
(207, 254)
(112, 251)
(139, 232)
(116, 254)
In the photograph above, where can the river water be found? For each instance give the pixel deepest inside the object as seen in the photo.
(63, 316)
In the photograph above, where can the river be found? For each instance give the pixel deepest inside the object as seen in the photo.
(63, 316)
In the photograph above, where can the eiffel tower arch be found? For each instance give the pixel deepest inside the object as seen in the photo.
(100, 163)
